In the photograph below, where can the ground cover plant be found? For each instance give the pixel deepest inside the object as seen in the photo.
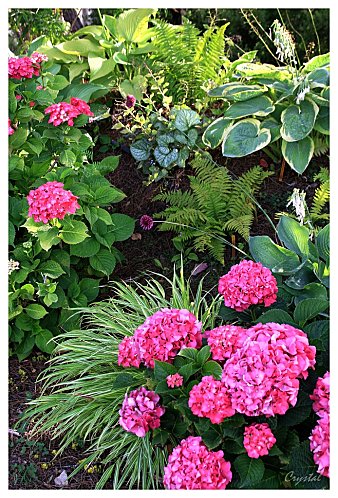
(212, 372)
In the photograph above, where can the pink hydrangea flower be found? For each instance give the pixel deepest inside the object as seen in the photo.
(62, 113)
(37, 58)
(192, 466)
(146, 222)
(49, 201)
(165, 333)
(258, 440)
(130, 101)
(128, 353)
(224, 341)
(18, 97)
(320, 445)
(21, 67)
(10, 129)
(248, 283)
(262, 376)
(175, 380)
(141, 412)
(321, 395)
(81, 106)
(210, 399)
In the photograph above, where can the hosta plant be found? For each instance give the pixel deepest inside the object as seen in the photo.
(155, 385)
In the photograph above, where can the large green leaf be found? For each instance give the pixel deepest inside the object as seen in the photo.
(318, 334)
(104, 261)
(35, 311)
(267, 71)
(44, 342)
(81, 47)
(140, 149)
(100, 67)
(83, 91)
(244, 138)
(123, 226)
(185, 119)
(165, 156)
(214, 134)
(294, 235)
(273, 256)
(73, 232)
(76, 69)
(48, 238)
(258, 106)
(85, 249)
(323, 242)
(274, 126)
(316, 62)
(137, 86)
(298, 154)
(237, 92)
(309, 308)
(250, 470)
(298, 120)
(18, 138)
(132, 25)
(277, 316)
(51, 269)
(162, 369)
(212, 368)
(322, 123)
(57, 54)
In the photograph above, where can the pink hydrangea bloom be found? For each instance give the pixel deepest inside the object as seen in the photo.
(81, 106)
(248, 283)
(262, 377)
(321, 395)
(37, 58)
(258, 440)
(62, 113)
(141, 411)
(192, 466)
(49, 201)
(130, 101)
(175, 380)
(10, 129)
(224, 341)
(18, 97)
(210, 399)
(320, 445)
(128, 353)
(39, 87)
(22, 67)
(165, 333)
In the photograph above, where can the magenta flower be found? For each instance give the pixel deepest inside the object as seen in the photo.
(175, 380)
(192, 466)
(128, 354)
(130, 101)
(320, 445)
(38, 58)
(50, 201)
(81, 106)
(210, 399)
(146, 222)
(224, 341)
(141, 412)
(39, 87)
(62, 113)
(18, 97)
(258, 440)
(248, 283)
(321, 395)
(10, 129)
(22, 67)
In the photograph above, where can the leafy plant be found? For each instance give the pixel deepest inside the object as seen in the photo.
(215, 204)
(273, 107)
(167, 143)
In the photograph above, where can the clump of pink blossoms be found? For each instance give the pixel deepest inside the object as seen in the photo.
(38, 58)
(210, 399)
(62, 113)
(248, 283)
(192, 466)
(175, 380)
(141, 411)
(128, 353)
(320, 445)
(81, 106)
(10, 129)
(262, 377)
(22, 67)
(165, 333)
(321, 395)
(49, 201)
(130, 101)
(224, 341)
(258, 440)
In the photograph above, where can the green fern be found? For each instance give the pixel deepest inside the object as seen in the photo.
(321, 144)
(214, 205)
(321, 196)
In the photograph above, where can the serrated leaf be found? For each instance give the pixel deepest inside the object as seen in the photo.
(212, 368)
(85, 249)
(35, 311)
(162, 369)
(123, 226)
(43, 341)
(309, 308)
(51, 269)
(73, 232)
(104, 261)
(250, 470)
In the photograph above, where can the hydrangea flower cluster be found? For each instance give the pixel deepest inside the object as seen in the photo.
(81, 106)
(175, 380)
(320, 436)
(210, 399)
(224, 341)
(128, 353)
(248, 283)
(321, 395)
(10, 129)
(49, 201)
(164, 334)
(38, 58)
(62, 113)
(22, 67)
(258, 440)
(141, 411)
(262, 376)
(192, 466)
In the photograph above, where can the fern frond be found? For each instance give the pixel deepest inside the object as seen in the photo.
(321, 144)
(241, 200)
(321, 196)
(241, 225)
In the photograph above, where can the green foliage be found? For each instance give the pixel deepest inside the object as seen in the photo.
(321, 196)
(214, 205)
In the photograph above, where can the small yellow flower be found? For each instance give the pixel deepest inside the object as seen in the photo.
(36, 456)
(44, 465)
(54, 452)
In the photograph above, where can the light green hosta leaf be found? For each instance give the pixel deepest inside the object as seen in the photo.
(294, 235)
(185, 119)
(216, 131)
(244, 138)
(298, 154)
(76, 69)
(323, 243)
(316, 62)
(298, 120)
(84, 91)
(255, 70)
(95, 31)
(123, 226)
(81, 47)
(165, 156)
(55, 53)
(322, 123)
(103, 261)
(236, 92)
(140, 149)
(271, 255)
(132, 25)
(100, 67)
(259, 106)
(73, 232)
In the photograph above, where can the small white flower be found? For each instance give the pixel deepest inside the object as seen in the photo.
(12, 265)
(297, 200)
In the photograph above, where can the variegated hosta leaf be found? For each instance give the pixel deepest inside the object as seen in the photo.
(298, 154)
(236, 92)
(214, 134)
(259, 106)
(298, 120)
(244, 138)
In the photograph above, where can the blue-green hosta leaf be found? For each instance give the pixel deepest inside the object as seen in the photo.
(274, 126)
(265, 251)
(319, 78)
(186, 119)
(256, 70)
(294, 235)
(322, 123)
(140, 149)
(244, 138)
(323, 242)
(165, 156)
(215, 133)
(259, 106)
(298, 120)
(237, 92)
(298, 154)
